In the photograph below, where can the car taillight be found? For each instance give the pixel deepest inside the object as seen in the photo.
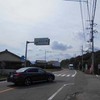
(17, 74)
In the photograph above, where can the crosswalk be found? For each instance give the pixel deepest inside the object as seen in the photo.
(64, 75)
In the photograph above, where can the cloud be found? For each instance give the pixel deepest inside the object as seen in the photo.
(60, 46)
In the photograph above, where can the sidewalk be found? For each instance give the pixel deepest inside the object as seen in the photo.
(91, 90)
(3, 79)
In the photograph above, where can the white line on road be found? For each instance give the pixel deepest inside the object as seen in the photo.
(63, 75)
(74, 74)
(59, 75)
(59, 91)
(97, 75)
(2, 91)
(68, 75)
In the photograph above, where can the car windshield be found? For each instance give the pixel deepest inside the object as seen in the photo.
(22, 69)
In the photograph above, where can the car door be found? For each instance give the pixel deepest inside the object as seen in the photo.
(33, 74)
(42, 74)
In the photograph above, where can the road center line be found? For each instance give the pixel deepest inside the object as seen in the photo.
(6, 90)
(50, 98)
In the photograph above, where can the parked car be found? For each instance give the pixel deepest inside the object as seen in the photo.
(29, 75)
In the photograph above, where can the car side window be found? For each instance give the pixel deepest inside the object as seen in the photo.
(32, 70)
(41, 71)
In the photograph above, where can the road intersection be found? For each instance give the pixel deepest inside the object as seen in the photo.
(68, 85)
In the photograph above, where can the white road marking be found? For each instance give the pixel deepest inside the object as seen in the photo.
(97, 75)
(55, 74)
(2, 91)
(63, 75)
(74, 74)
(68, 75)
(59, 75)
(50, 98)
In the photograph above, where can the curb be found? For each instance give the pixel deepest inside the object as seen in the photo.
(4, 79)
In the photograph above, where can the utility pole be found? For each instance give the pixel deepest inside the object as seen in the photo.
(93, 2)
(92, 35)
(45, 55)
(82, 58)
(92, 41)
(45, 59)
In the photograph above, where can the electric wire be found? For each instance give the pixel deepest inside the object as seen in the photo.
(88, 10)
(82, 18)
(94, 9)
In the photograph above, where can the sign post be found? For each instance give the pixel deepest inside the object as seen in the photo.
(37, 41)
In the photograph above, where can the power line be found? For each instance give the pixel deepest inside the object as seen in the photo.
(94, 9)
(81, 10)
(76, 0)
(88, 10)
(82, 18)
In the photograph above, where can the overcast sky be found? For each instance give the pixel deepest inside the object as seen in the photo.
(58, 20)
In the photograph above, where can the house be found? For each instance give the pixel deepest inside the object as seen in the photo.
(40, 63)
(48, 64)
(55, 64)
(9, 60)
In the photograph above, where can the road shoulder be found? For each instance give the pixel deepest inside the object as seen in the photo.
(91, 90)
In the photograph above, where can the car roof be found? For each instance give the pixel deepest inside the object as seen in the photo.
(24, 69)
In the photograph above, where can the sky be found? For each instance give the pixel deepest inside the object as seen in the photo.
(58, 20)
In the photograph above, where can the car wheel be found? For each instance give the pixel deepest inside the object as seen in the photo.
(27, 81)
(50, 78)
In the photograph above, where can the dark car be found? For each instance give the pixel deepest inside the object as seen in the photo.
(29, 75)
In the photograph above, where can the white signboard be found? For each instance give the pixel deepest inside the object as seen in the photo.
(41, 41)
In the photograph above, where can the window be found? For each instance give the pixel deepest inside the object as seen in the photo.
(41, 71)
(32, 70)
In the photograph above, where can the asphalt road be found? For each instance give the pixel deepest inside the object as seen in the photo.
(57, 90)
(68, 85)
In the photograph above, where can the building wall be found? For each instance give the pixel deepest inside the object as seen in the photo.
(6, 71)
(8, 57)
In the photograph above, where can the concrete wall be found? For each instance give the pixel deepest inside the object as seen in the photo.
(6, 71)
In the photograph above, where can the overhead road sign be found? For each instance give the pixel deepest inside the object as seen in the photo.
(41, 41)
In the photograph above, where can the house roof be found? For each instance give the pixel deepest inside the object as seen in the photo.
(9, 56)
(53, 62)
(40, 61)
